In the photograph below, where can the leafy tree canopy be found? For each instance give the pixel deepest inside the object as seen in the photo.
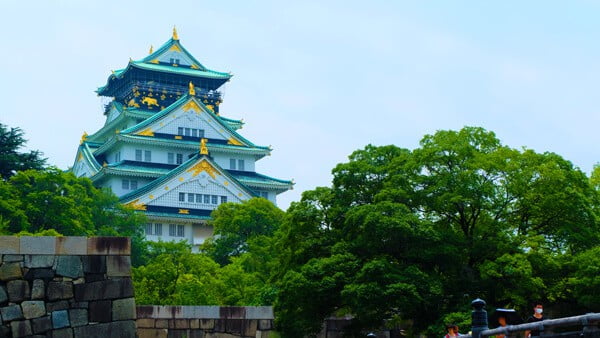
(11, 160)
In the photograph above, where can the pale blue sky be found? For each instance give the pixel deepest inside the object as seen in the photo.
(319, 79)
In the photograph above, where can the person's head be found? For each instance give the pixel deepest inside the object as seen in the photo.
(502, 321)
(451, 328)
(538, 308)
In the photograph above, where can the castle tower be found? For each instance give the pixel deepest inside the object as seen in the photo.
(166, 151)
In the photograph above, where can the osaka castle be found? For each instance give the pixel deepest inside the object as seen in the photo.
(166, 150)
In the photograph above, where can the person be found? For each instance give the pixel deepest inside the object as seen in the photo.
(452, 331)
(538, 316)
(504, 317)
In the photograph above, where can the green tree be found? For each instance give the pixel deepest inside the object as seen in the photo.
(235, 224)
(430, 229)
(11, 160)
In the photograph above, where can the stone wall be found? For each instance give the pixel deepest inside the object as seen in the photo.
(204, 321)
(66, 287)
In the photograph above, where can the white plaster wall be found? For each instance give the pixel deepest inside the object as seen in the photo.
(115, 184)
(223, 161)
(171, 198)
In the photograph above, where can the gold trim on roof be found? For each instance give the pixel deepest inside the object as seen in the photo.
(175, 35)
(184, 211)
(146, 132)
(235, 142)
(175, 48)
(136, 205)
(83, 137)
(192, 90)
(203, 148)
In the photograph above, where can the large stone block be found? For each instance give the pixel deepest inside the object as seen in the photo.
(63, 333)
(118, 266)
(18, 291)
(3, 295)
(60, 319)
(41, 325)
(123, 309)
(265, 324)
(161, 323)
(207, 324)
(78, 317)
(71, 245)
(33, 309)
(69, 266)
(12, 258)
(20, 328)
(11, 312)
(259, 312)
(109, 246)
(10, 271)
(45, 273)
(100, 311)
(60, 290)
(9, 245)
(38, 289)
(108, 289)
(56, 306)
(121, 329)
(195, 334)
(152, 333)
(94, 264)
(42, 245)
(147, 323)
(38, 261)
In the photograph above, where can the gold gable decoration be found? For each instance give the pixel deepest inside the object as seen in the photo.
(192, 90)
(202, 166)
(192, 105)
(151, 50)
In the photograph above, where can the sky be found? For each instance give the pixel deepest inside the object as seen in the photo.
(320, 79)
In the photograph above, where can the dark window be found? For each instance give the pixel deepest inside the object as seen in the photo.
(172, 230)
(181, 197)
(138, 154)
(190, 197)
(180, 231)
(179, 158)
(223, 199)
(214, 199)
(264, 194)
(206, 199)
(232, 163)
(198, 198)
(125, 184)
(180, 131)
(149, 229)
(240, 164)
(201, 133)
(147, 156)
(170, 158)
(133, 184)
(158, 229)
(194, 132)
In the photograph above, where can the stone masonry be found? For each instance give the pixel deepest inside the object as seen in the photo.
(204, 321)
(66, 287)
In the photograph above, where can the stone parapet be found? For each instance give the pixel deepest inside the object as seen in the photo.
(66, 287)
(61, 246)
(204, 321)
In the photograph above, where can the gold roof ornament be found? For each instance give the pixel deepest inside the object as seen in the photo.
(203, 147)
(192, 90)
(83, 137)
(151, 50)
(175, 36)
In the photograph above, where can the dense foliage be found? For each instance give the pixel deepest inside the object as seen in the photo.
(402, 237)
